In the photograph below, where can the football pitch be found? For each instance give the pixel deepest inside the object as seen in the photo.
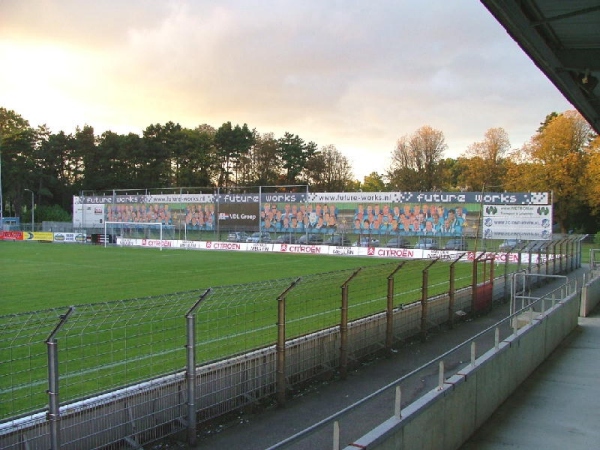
(131, 302)
(37, 276)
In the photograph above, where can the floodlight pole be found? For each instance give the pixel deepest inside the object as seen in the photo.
(32, 208)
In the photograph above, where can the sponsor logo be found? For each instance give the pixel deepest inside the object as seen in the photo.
(504, 257)
(284, 247)
(495, 198)
(441, 198)
(304, 249)
(127, 242)
(235, 216)
(155, 243)
(394, 253)
(12, 235)
(190, 244)
(260, 248)
(224, 246)
(371, 251)
(442, 254)
(343, 251)
(280, 197)
(240, 198)
(80, 238)
(59, 237)
(344, 197)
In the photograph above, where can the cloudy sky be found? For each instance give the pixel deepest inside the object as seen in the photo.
(356, 74)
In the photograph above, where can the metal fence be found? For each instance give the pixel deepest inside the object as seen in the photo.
(132, 371)
(412, 394)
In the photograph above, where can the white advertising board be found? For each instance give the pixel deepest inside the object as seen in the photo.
(527, 222)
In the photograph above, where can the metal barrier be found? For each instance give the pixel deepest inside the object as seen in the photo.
(406, 397)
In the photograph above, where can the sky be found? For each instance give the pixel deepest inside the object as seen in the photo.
(355, 74)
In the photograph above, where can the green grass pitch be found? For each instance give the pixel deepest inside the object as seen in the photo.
(112, 344)
(38, 276)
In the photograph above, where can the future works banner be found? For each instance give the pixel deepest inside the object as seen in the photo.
(497, 198)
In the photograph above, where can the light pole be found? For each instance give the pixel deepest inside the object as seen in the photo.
(32, 208)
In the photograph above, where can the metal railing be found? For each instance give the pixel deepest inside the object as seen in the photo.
(408, 388)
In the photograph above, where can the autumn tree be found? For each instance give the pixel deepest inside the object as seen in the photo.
(591, 178)
(373, 183)
(554, 161)
(486, 160)
(416, 161)
(453, 174)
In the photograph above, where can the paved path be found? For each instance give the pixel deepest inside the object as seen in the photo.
(558, 406)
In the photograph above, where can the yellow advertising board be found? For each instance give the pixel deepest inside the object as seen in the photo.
(38, 236)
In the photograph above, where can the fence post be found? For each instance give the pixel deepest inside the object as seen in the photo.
(492, 260)
(190, 373)
(506, 293)
(474, 282)
(573, 255)
(424, 295)
(389, 330)
(560, 262)
(280, 347)
(53, 386)
(344, 327)
(452, 290)
(556, 255)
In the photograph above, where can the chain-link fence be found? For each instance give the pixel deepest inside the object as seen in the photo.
(142, 368)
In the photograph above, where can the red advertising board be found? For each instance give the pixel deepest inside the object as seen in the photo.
(11, 235)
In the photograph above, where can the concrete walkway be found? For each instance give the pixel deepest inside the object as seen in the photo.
(557, 407)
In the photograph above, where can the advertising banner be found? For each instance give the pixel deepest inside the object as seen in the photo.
(88, 215)
(11, 235)
(238, 216)
(527, 222)
(508, 198)
(69, 238)
(38, 236)
(301, 249)
(439, 214)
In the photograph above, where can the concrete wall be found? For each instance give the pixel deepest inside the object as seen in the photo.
(590, 295)
(432, 423)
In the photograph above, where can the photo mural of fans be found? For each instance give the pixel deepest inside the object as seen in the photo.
(398, 219)
(391, 214)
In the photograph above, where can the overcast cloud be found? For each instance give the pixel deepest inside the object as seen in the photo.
(354, 74)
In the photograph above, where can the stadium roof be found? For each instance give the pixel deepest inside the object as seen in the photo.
(563, 39)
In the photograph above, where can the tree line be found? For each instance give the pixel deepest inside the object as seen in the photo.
(563, 157)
